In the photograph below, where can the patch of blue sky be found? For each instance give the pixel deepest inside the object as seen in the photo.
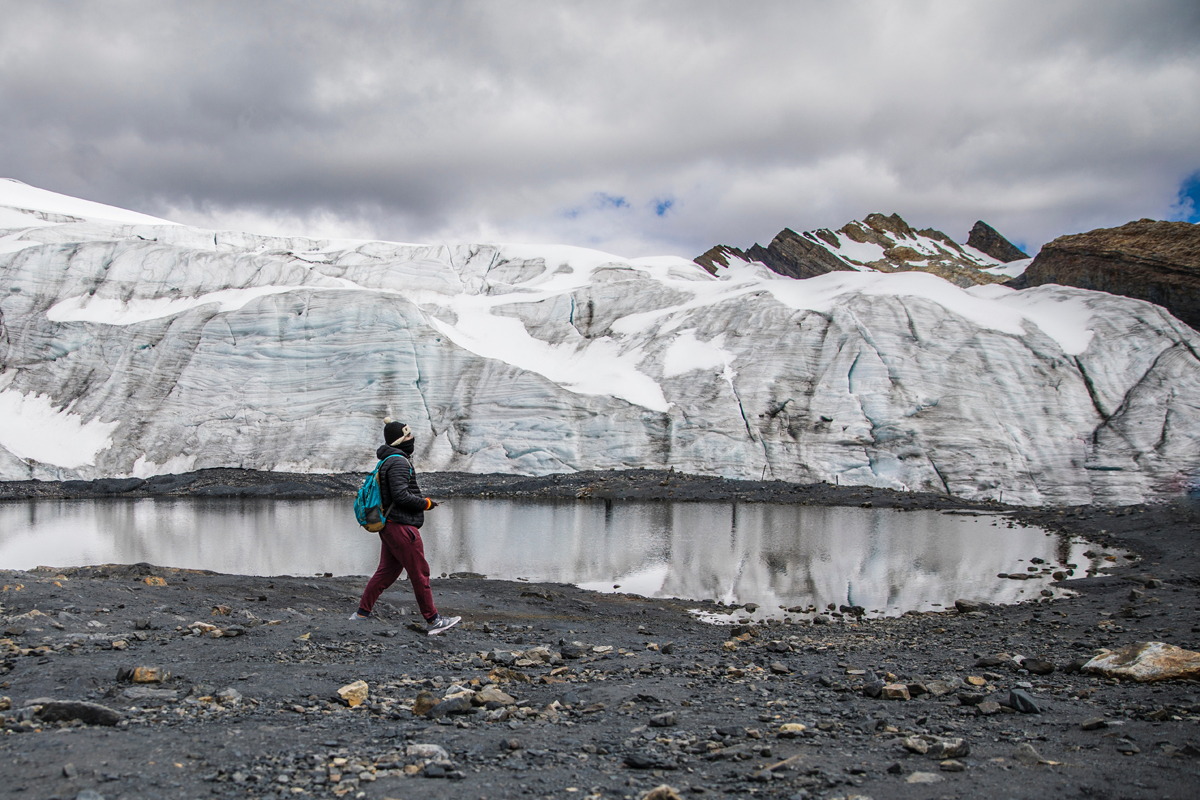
(605, 200)
(1187, 205)
(601, 201)
(661, 207)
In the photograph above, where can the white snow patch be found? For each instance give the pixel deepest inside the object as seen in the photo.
(32, 428)
(981, 257)
(15, 218)
(15, 194)
(110, 311)
(686, 354)
(1064, 320)
(555, 255)
(864, 252)
(1013, 269)
(173, 466)
(13, 242)
(599, 368)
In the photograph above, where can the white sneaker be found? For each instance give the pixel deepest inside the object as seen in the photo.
(441, 624)
(357, 617)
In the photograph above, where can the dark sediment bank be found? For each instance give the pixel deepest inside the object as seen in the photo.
(655, 697)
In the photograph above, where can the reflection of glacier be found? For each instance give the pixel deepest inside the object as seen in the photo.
(772, 555)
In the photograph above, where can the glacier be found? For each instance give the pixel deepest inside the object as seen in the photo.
(131, 346)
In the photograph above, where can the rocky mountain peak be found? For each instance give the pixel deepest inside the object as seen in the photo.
(985, 239)
(877, 243)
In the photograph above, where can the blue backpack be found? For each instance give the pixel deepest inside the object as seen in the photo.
(368, 506)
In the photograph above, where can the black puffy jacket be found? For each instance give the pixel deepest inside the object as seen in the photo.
(398, 488)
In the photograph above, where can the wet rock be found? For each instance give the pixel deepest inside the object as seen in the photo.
(1027, 755)
(505, 657)
(987, 708)
(575, 650)
(353, 694)
(428, 751)
(996, 660)
(1146, 661)
(966, 606)
(924, 777)
(144, 694)
(1021, 701)
(491, 694)
(949, 748)
(790, 730)
(648, 760)
(424, 702)
(1075, 665)
(1037, 666)
(147, 675)
(936, 747)
(457, 704)
(229, 696)
(88, 713)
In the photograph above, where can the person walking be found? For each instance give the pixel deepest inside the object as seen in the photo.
(402, 548)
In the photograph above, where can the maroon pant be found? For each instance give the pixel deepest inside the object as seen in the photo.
(402, 550)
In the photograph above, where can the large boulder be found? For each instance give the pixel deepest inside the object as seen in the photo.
(1147, 260)
(1146, 661)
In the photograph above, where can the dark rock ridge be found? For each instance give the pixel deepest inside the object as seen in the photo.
(1148, 260)
(891, 245)
(985, 239)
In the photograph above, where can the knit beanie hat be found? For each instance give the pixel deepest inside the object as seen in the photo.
(395, 432)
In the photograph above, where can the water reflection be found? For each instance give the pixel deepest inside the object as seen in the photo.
(773, 555)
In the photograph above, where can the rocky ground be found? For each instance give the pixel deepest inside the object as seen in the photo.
(547, 690)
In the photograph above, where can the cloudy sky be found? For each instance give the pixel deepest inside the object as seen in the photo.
(638, 128)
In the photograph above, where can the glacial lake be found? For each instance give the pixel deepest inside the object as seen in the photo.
(776, 556)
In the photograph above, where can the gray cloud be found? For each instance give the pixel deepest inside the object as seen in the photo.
(512, 121)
